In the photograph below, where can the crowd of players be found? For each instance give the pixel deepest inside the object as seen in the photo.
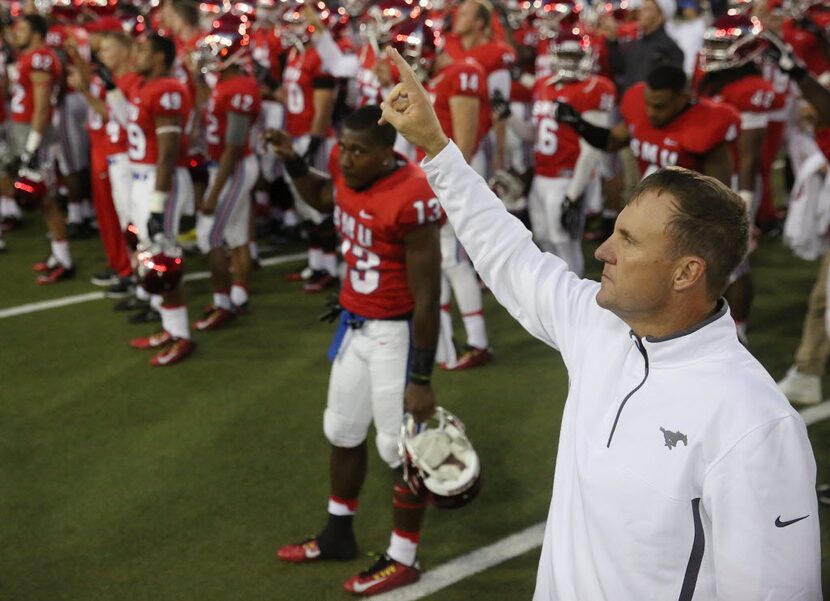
(539, 95)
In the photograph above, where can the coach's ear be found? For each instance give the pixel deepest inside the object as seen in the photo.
(409, 109)
(690, 271)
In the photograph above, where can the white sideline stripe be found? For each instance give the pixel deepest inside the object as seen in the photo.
(467, 565)
(816, 413)
(91, 296)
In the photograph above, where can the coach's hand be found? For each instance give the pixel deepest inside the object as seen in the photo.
(419, 400)
(409, 109)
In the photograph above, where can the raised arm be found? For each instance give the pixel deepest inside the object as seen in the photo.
(537, 288)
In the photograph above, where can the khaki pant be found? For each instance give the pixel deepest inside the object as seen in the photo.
(814, 348)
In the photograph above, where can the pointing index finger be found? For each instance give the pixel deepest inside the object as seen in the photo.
(407, 74)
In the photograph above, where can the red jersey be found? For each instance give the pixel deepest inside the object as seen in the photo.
(493, 55)
(149, 100)
(116, 134)
(96, 124)
(57, 36)
(752, 96)
(461, 78)
(22, 102)
(302, 70)
(239, 94)
(372, 224)
(807, 47)
(684, 142)
(266, 48)
(557, 148)
(368, 84)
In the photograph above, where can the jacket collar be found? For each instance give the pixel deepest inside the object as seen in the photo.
(706, 338)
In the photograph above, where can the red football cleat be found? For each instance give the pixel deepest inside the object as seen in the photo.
(308, 550)
(47, 264)
(320, 282)
(472, 357)
(153, 341)
(55, 274)
(386, 575)
(215, 319)
(175, 351)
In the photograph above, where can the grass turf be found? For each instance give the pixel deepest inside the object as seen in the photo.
(125, 482)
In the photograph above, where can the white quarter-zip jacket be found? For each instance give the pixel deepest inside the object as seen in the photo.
(682, 472)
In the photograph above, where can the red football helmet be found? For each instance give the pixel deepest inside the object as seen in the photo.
(739, 7)
(732, 41)
(220, 49)
(417, 43)
(29, 188)
(439, 460)
(553, 15)
(160, 265)
(573, 57)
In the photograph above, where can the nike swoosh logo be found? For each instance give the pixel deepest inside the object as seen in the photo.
(781, 524)
(362, 588)
(364, 215)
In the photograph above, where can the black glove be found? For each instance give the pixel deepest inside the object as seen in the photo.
(333, 310)
(313, 146)
(155, 224)
(565, 113)
(500, 106)
(571, 217)
(29, 161)
(103, 73)
(781, 52)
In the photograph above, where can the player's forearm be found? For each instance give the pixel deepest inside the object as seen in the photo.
(749, 146)
(323, 108)
(335, 61)
(168, 151)
(40, 111)
(464, 132)
(227, 164)
(313, 187)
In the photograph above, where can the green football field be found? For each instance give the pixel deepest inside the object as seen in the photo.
(122, 481)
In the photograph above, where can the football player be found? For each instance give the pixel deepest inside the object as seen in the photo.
(459, 93)
(388, 219)
(308, 94)
(35, 81)
(730, 75)
(93, 90)
(565, 165)
(159, 110)
(225, 209)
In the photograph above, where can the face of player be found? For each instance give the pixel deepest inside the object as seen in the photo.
(466, 18)
(22, 34)
(113, 54)
(361, 159)
(144, 58)
(650, 16)
(663, 105)
(636, 280)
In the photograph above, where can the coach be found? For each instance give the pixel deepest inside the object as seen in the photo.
(682, 472)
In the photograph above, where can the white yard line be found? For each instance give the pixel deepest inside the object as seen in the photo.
(91, 296)
(467, 565)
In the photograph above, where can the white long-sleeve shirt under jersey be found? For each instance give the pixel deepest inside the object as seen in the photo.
(682, 472)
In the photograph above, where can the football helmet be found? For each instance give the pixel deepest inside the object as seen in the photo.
(29, 188)
(572, 55)
(160, 265)
(417, 43)
(554, 15)
(732, 41)
(220, 49)
(439, 460)
(739, 7)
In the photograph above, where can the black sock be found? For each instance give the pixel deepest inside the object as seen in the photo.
(337, 540)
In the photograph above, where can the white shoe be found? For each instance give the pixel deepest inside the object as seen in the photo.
(800, 387)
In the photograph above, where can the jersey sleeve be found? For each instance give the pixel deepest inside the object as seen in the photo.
(760, 497)
(722, 123)
(421, 207)
(753, 97)
(600, 97)
(467, 80)
(632, 99)
(243, 99)
(170, 101)
(44, 61)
